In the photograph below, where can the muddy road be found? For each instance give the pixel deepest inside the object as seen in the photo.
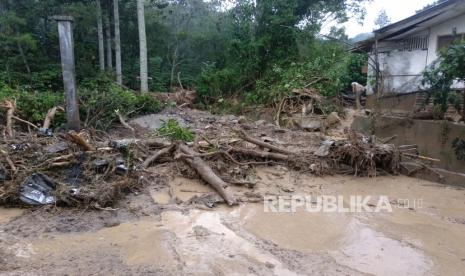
(153, 234)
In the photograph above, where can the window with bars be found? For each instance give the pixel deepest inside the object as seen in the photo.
(415, 43)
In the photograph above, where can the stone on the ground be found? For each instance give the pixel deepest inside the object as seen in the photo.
(310, 124)
(333, 119)
(155, 121)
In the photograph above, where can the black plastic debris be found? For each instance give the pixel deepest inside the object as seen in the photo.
(121, 167)
(38, 190)
(100, 165)
(19, 147)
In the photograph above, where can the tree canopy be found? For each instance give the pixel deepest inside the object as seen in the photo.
(217, 48)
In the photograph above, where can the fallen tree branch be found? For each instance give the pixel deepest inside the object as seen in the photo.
(123, 122)
(24, 121)
(260, 143)
(50, 116)
(206, 173)
(261, 154)
(74, 137)
(9, 161)
(10, 107)
(149, 161)
(420, 157)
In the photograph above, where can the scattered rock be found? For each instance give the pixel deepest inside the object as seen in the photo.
(242, 120)
(155, 121)
(58, 147)
(310, 124)
(333, 119)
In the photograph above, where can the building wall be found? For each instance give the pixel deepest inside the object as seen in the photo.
(445, 28)
(402, 70)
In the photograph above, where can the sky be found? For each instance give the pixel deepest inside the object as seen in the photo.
(396, 10)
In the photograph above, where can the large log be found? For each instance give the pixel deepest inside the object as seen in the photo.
(206, 173)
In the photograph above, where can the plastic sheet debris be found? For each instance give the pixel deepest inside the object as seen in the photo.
(121, 167)
(38, 190)
(46, 132)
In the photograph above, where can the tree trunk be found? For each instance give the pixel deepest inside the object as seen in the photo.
(108, 35)
(23, 57)
(119, 73)
(101, 47)
(144, 87)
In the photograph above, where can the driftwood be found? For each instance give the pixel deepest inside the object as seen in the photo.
(206, 173)
(149, 161)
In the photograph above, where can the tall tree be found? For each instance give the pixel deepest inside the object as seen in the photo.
(108, 36)
(382, 20)
(101, 47)
(144, 87)
(119, 73)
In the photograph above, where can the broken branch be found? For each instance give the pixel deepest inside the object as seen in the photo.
(206, 173)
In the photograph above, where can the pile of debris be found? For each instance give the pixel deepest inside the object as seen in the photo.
(91, 168)
(87, 169)
(306, 109)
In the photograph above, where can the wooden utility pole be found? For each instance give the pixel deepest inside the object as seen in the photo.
(65, 33)
(144, 87)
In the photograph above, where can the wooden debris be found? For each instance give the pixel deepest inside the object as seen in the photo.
(206, 173)
(149, 161)
(74, 137)
(50, 116)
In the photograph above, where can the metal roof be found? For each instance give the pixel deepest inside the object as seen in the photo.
(418, 22)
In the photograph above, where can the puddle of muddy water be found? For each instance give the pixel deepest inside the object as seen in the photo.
(247, 240)
(7, 214)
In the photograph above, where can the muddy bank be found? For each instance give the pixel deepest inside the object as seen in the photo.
(159, 237)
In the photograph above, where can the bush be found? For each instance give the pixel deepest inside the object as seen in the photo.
(98, 98)
(33, 106)
(101, 98)
(330, 73)
(175, 132)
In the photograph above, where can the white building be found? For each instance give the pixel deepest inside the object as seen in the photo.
(403, 50)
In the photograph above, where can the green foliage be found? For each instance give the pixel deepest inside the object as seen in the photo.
(261, 49)
(459, 148)
(451, 68)
(330, 72)
(100, 98)
(33, 105)
(175, 132)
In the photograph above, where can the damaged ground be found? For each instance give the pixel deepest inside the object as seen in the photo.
(133, 202)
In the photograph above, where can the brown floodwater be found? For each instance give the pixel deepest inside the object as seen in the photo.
(425, 239)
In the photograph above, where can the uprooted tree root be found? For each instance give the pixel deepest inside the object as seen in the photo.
(92, 171)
